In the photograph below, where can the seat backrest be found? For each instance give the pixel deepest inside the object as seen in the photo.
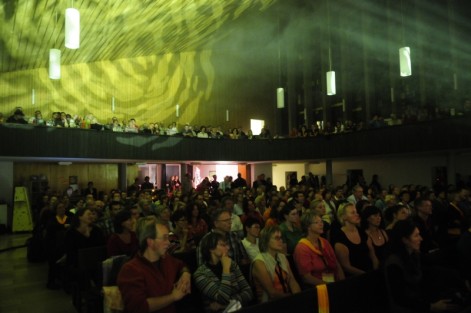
(111, 268)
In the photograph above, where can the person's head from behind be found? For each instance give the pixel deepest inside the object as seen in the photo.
(270, 239)
(405, 237)
(213, 247)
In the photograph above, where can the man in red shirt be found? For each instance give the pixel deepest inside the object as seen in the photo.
(153, 280)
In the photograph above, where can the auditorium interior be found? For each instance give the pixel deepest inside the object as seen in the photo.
(227, 64)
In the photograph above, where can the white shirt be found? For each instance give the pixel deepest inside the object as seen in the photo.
(237, 225)
(251, 248)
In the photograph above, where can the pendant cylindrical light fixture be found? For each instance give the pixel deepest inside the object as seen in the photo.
(331, 90)
(72, 28)
(405, 61)
(112, 104)
(33, 97)
(54, 64)
(227, 115)
(280, 98)
(455, 81)
(177, 110)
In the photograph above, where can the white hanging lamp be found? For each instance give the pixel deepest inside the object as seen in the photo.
(54, 64)
(331, 90)
(280, 91)
(330, 75)
(280, 98)
(405, 62)
(72, 28)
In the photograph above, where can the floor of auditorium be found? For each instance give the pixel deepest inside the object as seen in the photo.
(23, 284)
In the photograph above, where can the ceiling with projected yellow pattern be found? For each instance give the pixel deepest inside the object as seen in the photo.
(113, 29)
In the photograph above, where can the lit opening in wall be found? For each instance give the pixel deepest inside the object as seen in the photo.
(256, 126)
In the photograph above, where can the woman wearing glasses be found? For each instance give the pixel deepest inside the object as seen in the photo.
(271, 272)
(314, 256)
(218, 278)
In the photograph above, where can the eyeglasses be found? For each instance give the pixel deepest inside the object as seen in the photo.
(164, 238)
(277, 238)
(225, 221)
(255, 226)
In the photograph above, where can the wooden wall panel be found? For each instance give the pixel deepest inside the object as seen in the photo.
(104, 176)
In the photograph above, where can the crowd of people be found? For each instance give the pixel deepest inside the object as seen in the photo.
(254, 243)
(318, 128)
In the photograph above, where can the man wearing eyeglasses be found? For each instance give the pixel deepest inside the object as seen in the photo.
(153, 280)
(222, 222)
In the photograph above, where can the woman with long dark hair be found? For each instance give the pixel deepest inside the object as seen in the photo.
(410, 289)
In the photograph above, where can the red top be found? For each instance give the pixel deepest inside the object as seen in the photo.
(140, 279)
(116, 246)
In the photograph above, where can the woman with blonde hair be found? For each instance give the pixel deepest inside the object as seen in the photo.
(353, 248)
(314, 256)
(270, 269)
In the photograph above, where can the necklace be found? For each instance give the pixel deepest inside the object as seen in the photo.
(377, 235)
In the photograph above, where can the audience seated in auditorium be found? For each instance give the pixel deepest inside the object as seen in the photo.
(318, 207)
(17, 117)
(412, 288)
(394, 214)
(372, 225)
(353, 247)
(181, 239)
(82, 235)
(357, 195)
(252, 230)
(271, 272)
(275, 213)
(106, 223)
(314, 256)
(197, 224)
(250, 211)
(153, 280)
(422, 218)
(221, 219)
(54, 243)
(124, 239)
(289, 227)
(219, 278)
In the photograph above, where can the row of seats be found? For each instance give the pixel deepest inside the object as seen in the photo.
(365, 293)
